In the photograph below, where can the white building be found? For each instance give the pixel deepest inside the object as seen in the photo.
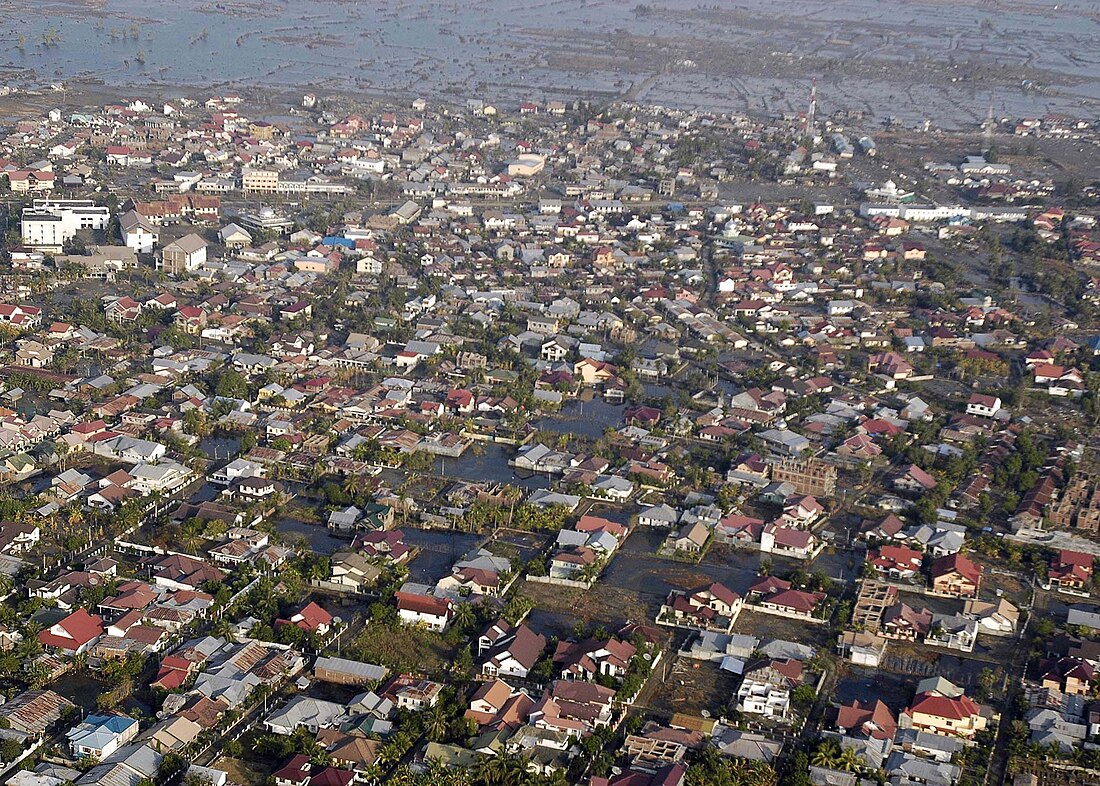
(138, 232)
(50, 223)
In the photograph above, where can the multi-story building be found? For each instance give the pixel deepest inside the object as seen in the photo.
(808, 476)
(50, 223)
(260, 181)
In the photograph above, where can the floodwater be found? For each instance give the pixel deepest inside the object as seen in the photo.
(220, 448)
(949, 62)
(318, 536)
(438, 551)
(586, 418)
(489, 463)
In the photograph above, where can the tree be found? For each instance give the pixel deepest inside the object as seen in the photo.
(436, 723)
(10, 750)
(826, 755)
(231, 384)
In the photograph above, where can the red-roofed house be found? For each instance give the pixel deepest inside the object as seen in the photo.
(74, 634)
(434, 613)
(956, 575)
(871, 721)
(958, 716)
(312, 619)
(914, 479)
(983, 406)
(900, 563)
(1070, 570)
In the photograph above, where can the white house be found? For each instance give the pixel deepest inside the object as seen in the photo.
(138, 232)
(101, 735)
(431, 612)
(983, 406)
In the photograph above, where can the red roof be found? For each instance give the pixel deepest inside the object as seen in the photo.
(943, 707)
(81, 628)
(957, 563)
(804, 602)
(423, 604)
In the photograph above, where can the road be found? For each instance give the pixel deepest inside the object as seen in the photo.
(998, 761)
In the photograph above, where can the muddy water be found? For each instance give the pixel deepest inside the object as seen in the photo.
(914, 59)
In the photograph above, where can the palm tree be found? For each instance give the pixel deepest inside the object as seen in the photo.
(351, 484)
(191, 531)
(464, 616)
(489, 770)
(826, 755)
(849, 761)
(436, 723)
(373, 773)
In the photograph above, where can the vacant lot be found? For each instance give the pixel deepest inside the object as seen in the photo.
(692, 687)
(561, 607)
(868, 685)
(767, 627)
(401, 648)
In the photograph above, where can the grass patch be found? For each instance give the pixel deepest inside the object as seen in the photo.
(401, 648)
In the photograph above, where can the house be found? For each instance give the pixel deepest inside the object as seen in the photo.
(913, 479)
(353, 752)
(303, 712)
(234, 236)
(659, 516)
(766, 688)
(862, 648)
(983, 406)
(18, 537)
(689, 539)
(1070, 675)
(956, 575)
(412, 693)
(869, 721)
(508, 651)
(953, 716)
(904, 623)
(774, 594)
(433, 613)
(999, 619)
(181, 572)
(573, 707)
(497, 705)
(709, 607)
(122, 310)
(298, 770)
(342, 671)
(788, 541)
(73, 634)
(953, 631)
(311, 618)
(670, 774)
(184, 255)
(1070, 570)
(353, 570)
(138, 232)
(591, 659)
(899, 563)
(99, 736)
(34, 712)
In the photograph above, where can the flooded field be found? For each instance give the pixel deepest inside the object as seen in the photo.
(923, 58)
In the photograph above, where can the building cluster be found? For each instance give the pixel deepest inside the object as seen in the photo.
(333, 427)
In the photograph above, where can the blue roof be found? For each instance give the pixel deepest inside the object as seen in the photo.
(332, 240)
